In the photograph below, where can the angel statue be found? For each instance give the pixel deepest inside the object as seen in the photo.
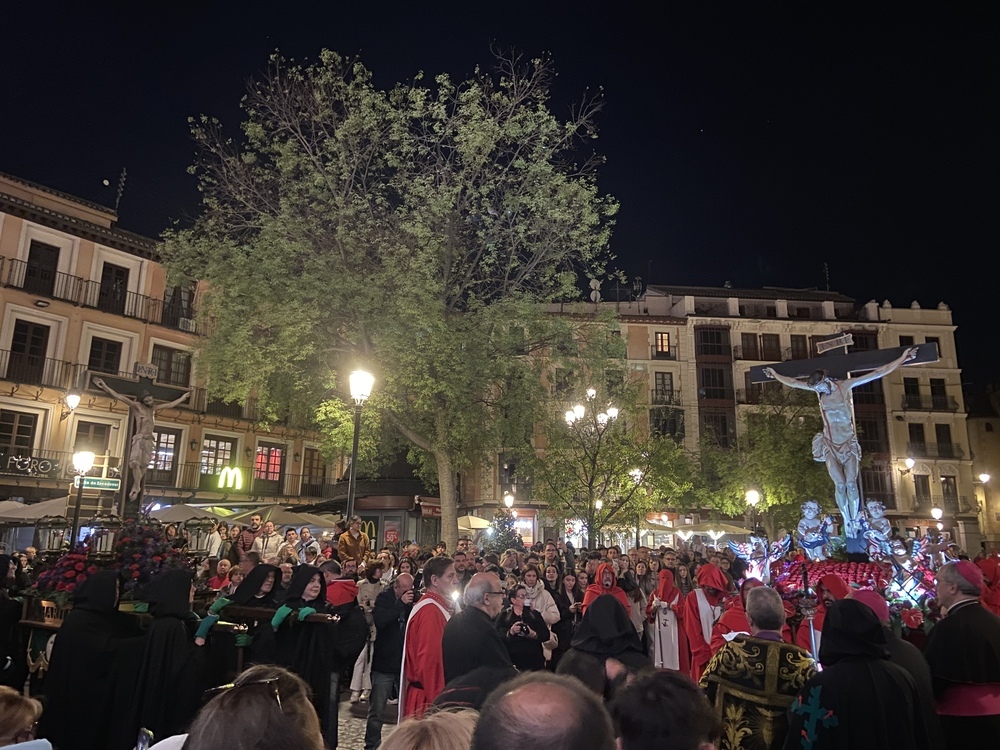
(759, 555)
(814, 532)
(878, 531)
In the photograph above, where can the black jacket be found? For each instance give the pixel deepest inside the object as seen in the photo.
(389, 616)
(525, 652)
(471, 640)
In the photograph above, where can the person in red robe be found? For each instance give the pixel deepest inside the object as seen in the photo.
(669, 648)
(734, 619)
(991, 575)
(422, 677)
(605, 582)
(830, 588)
(702, 609)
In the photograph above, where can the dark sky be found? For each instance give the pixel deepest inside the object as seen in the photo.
(750, 142)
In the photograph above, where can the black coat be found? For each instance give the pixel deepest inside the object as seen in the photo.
(82, 679)
(471, 640)
(525, 652)
(389, 616)
(174, 672)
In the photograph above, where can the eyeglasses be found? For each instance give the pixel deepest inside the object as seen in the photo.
(272, 682)
(493, 592)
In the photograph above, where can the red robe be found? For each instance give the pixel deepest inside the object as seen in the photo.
(734, 619)
(709, 576)
(341, 591)
(596, 589)
(991, 594)
(840, 590)
(667, 591)
(423, 662)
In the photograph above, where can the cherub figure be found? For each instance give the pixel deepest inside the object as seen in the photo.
(814, 532)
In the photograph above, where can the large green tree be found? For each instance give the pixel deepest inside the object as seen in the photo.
(416, 231)
(605, 468)
(772, 455)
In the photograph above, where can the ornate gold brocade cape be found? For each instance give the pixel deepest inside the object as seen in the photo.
(750, 683)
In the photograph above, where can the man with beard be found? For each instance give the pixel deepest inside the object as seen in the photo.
(605, 582)
(244, 542)
(463, 570)
(963, 651)
(831, 588)
(392, 609)
(422, 676)
(702, 609)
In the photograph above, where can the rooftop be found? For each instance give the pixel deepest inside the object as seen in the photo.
(768, 292)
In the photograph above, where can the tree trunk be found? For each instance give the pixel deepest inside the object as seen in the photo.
(449, 501)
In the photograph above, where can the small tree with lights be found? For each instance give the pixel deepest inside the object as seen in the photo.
(504, 535)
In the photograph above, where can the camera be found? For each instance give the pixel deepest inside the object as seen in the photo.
(522, 628)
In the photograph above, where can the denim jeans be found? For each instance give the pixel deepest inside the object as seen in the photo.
(383, 685)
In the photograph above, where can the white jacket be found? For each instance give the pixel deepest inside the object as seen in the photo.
(543, 603)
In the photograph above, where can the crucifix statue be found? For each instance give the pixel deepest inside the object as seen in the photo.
(142, 411)
(837, 445)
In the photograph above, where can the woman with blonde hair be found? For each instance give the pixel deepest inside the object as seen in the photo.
(441, 730)
(18, 716)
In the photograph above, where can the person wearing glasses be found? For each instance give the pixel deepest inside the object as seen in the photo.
(524, 631)
(470, 637)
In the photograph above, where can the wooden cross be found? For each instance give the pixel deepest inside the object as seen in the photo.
(840, 366)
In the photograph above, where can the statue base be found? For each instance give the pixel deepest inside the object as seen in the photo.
(857, 548)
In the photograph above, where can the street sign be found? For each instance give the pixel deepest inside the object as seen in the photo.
(98, 483)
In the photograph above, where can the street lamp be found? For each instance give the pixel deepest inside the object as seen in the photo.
(753, 497)
(361, 388)
(936, 512)
(508, 500)
(984, 477)
(83, 461)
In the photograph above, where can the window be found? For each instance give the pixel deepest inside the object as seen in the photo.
(105, 355)
(663, 382)
(162, 469)
(216, 453)
(667, 423)
(770, 344)
(615, 379)
(911, 393)
(94, 437)
(714, 383)
(800, 346)
(906, 340)
(711, 341)
(864, 341)
(717, 425)
(40, 272)
(872, 435)
(989, 427)
(933, 340)
(17, 432)
(114, 288)
(661, 343)
(313, 472)
(942, 433)
(268, 468)
(876, 483)
(748, 343)
(916, 438)
(177, 304)
(563, 380)
(922, 488)
(173, 365)
(28, 347)
(801, 312)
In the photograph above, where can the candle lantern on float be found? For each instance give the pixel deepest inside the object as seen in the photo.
(103, 535)
(199, 530)
(52, 531)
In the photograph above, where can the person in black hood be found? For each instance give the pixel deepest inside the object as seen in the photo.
(318, 651)
(173, 675)
(257, 590)
(836, 707)
(11, 645)
(83, 675)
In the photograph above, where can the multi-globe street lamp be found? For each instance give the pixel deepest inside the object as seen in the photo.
(591, 420)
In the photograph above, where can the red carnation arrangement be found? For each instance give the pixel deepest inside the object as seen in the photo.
(58, 582)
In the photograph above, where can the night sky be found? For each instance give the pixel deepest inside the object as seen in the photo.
(747, 142)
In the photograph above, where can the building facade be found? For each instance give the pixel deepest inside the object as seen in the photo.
(80, 297)
(984, 441)
(695, 347)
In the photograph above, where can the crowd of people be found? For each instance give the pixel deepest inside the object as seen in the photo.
(668, 647)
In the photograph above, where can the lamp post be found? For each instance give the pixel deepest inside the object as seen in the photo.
(508, 500)
(361, 388)
(753, 497)
(595, 423)
(83, 461)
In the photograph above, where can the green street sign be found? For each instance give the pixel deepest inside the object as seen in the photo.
(98, 483)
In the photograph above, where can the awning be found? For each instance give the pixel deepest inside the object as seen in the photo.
(181, 512)
(281, 517)
(28, 514)
(473, 523)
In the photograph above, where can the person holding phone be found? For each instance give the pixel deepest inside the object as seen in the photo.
(524, 631)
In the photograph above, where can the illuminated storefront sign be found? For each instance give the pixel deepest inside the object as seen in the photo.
(231, 478)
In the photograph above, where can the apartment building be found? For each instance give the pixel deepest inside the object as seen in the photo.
(79, 297)
(695, 346)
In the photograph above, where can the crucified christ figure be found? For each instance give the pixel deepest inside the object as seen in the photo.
(837, 445)
(142, 411)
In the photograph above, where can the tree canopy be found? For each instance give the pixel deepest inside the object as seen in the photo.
(416, 231)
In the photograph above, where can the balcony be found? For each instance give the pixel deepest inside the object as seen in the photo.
(201, 403)
(947, 504)
(55, 465)
(716, 394)
(868, 398)
(189, 476)
(756, 354)
(656, 352)
(713, 349)
(42, 281)
(30, 369)
(934, 450)
(664, 398)
(920, 402)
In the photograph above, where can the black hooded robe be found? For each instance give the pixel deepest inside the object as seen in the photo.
(262, 648)
(861, 700)
(82, 679)
(173, 676)
(317, 650)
